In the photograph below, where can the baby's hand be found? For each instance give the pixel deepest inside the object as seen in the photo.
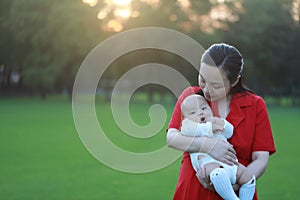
(217, 124)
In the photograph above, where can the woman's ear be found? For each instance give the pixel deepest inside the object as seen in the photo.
(237, 80)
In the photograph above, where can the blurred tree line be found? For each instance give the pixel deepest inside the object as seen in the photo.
(44, 42)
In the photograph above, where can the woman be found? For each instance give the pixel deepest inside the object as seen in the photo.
(221, 81)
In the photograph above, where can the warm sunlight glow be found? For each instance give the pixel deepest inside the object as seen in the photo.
(122, 2)
(135, 14)
(296, 10)
(222, 12)
(184, 3)
(113, 26)
(224, 1)
(124, 13)
(152, 3)
(173, 18)
(187, 26)
(217, 18)
(114, 14)
(101, 15)
(91, 3)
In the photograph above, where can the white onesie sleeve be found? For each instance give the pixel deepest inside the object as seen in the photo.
(228, 130)
(191, 128)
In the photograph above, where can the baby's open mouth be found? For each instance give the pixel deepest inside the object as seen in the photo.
(202, 119)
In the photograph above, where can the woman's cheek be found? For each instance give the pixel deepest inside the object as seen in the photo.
(221, 93)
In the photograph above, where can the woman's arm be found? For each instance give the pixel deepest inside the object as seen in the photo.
(217, 148)
(259, 163)
(181, 142)
(257, 167)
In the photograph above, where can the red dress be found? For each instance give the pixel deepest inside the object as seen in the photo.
(252, 132)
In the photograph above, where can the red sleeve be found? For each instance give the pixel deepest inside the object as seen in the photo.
(263, 139)
(176, 119)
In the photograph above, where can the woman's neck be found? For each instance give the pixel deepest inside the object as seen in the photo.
(222, 106)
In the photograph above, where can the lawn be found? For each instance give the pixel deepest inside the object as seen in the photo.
(42, 156)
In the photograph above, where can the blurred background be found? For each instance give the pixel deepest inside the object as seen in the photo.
(44, 42)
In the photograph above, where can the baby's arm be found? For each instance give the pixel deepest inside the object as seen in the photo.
(191, 128)
(228, 129)
(222, 126)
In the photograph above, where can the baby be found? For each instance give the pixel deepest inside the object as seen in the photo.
(199, 121)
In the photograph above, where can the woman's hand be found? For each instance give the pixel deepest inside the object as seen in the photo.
(201, 175)
(205, 182)
(221, 150)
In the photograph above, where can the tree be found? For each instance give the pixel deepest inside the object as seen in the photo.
(49, 41)
(265, 34)
(45, 41)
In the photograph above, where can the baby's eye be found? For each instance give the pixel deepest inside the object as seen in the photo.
(202, 83)
(193, 113)
(218, 86)
(204, 108)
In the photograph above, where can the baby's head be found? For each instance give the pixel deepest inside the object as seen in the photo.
(195, 108)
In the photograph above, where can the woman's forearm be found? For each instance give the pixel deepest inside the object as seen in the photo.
(183, 143)
(219, 149)
(259, 163)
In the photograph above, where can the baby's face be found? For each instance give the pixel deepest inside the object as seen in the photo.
(198, 110)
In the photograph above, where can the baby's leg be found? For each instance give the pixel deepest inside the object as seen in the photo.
(209, 167)
(220, 180)
(247, 182)
(243, 175)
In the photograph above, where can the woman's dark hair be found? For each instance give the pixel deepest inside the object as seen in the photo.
(230, 60)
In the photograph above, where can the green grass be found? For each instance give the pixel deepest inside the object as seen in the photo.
(42, 156)
(280, 180)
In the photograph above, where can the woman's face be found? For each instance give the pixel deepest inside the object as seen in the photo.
(213, 82)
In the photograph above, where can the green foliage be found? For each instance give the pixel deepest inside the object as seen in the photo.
(266, 34)
(46, 41)
(49, 38)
